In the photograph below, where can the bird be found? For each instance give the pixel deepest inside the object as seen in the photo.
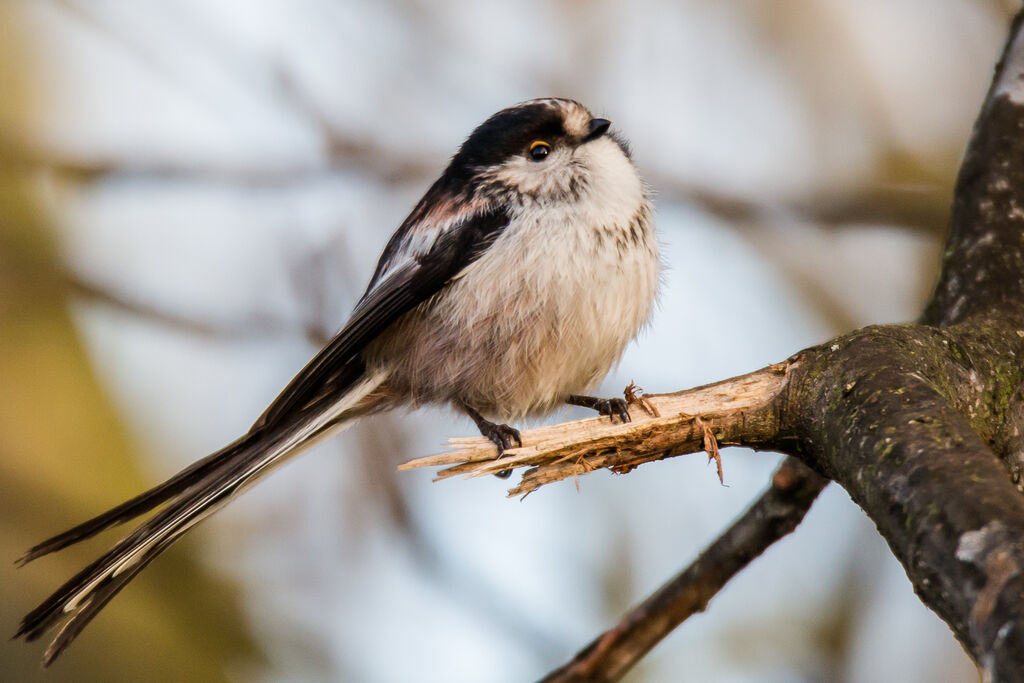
(511, 289)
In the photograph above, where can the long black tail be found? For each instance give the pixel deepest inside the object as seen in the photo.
(142, 503)
(188, 497)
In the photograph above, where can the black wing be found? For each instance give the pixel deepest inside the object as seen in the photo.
(401, 282)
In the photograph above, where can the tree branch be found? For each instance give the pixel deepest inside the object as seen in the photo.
(741, 412)
(775, 514)
(892, 417)
(983, 264)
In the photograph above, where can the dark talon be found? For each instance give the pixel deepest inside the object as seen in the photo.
(500, 434)
(611, 407)
(617, 406)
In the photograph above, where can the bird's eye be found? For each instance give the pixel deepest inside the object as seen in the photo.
(539, 150)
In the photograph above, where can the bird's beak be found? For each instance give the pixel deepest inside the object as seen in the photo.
(597, 128)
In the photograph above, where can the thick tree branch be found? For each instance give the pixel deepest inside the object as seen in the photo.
(900, 437)
(983, 264)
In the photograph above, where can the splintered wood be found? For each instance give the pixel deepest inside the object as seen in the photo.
(735, 412)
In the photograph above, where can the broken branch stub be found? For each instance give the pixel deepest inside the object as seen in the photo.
(740, 412)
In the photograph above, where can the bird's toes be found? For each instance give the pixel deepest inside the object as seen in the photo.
(503, 436)
(615, 407)
(513, 433)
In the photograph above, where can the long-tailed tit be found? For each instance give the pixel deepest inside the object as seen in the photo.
(510, 289)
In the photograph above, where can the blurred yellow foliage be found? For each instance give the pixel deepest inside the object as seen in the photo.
(64, 457)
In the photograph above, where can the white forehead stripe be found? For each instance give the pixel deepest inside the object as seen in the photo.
(577, 120)
(576, 116)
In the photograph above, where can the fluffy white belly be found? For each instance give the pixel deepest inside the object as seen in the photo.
(533, 320)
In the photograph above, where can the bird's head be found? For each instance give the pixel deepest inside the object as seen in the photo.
(549, 149)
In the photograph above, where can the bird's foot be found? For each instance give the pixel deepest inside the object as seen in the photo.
(612, 407)
(501, 435)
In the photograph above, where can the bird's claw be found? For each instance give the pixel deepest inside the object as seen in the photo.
(503, 437)
(614, 407)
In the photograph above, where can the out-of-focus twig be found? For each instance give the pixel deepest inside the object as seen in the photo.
(254, 326)
(924, 208)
